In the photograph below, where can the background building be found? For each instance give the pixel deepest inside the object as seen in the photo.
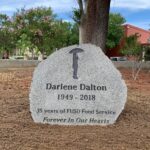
(144, 39)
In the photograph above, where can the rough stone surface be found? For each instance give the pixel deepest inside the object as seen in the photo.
(96, 96)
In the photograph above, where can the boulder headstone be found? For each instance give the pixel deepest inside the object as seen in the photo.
(77, 85)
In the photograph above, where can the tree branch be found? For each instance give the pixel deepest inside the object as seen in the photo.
(85, 5)
(81, 6)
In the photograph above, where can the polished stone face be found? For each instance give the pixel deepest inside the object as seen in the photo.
(77, 85)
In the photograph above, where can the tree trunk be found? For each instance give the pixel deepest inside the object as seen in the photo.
(94, 23)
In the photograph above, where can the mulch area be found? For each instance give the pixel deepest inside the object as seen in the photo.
(19, 132)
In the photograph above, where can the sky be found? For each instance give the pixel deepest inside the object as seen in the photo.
(136, 12)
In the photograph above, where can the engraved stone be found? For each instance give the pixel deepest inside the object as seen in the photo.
(77, 85)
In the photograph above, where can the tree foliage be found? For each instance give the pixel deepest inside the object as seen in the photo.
(36, 28)
(132, 47)
(115, 30)
(36, 24)
(147, 53)
(23, 43)
(7, 42)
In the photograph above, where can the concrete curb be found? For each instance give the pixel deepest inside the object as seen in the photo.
(18, 63)
(34, 63)
(130, 64)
